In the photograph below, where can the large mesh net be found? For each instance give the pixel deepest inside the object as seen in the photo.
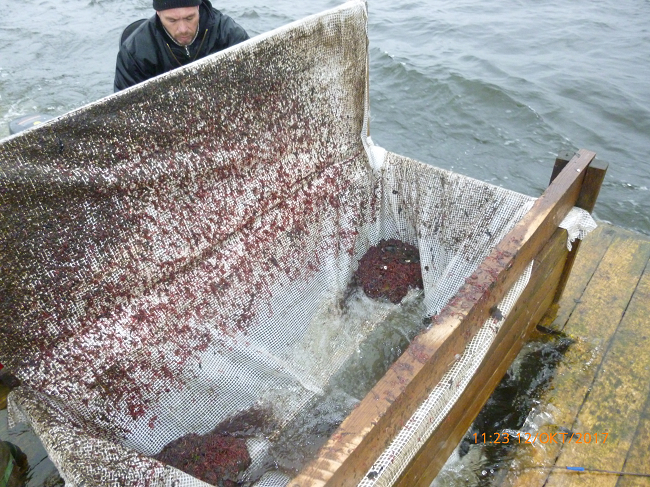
(178, 257)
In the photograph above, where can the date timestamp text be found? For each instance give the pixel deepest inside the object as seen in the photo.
(544, 438)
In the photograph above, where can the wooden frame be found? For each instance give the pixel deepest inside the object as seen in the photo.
(351, 451)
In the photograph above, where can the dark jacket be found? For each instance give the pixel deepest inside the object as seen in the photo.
(150, 51)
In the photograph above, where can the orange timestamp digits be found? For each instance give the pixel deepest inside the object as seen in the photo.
(544, 438)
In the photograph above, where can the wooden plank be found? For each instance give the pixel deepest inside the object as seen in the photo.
(592, 324)
(368, 430)
(591, 253)
(561, 161)
(4, 391)
(616, 398)
(530, 308)
(639, 453)
(587, 200)
(592, 183)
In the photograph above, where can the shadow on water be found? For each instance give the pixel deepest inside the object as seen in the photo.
(482, 455)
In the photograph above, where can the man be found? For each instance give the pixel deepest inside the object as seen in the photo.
(182, 31)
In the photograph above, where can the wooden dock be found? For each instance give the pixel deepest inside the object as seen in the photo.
(598, 404)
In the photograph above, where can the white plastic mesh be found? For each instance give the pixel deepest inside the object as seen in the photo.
(180, 253)
(392, 462)
(417, 430)
(578, 223)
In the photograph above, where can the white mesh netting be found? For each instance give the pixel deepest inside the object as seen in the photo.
(442, 398)
(177, 257)
(394, 460)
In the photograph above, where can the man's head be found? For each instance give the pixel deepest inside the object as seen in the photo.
(180, 18)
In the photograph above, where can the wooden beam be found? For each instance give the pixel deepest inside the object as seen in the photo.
(530, 308)
(586, 200)
(369, 429)
(606, 302)
(561, 161)
(592, 183)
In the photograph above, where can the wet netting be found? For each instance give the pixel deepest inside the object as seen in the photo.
(178, 259)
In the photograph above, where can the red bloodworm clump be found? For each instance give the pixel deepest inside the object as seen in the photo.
(214, 458)
(389, 269)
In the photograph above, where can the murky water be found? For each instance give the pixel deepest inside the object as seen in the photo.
(512, 412)
(388, 339)
(489, 89)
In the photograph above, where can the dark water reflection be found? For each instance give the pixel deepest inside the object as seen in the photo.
(478, 461)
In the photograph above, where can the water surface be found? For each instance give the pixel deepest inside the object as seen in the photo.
(490, 89)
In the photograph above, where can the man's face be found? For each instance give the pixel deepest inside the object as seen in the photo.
(181, 23)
